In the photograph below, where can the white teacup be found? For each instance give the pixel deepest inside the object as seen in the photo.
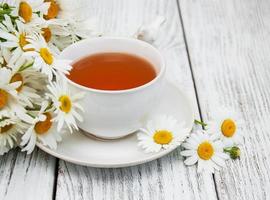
(114, 114)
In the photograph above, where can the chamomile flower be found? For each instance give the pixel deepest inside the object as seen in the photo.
(206, 150)
(74, 30)
(51, 30)
(52, 27)
(81, 29)
(9, 95)
(77, 24)
(27, 77)
(9, 130)
(15, 39)
(28, 9)
(226, 123)
(41, 129)
(44, 58)
(163, 132)
(7, 90)
(66, 104)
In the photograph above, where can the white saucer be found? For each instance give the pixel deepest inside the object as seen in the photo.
(84, 150)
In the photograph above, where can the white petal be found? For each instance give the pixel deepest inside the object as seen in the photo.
(187, 145)
(188, 153)
(8, 36)
(191, 160)
(219, 161)
(9, 44)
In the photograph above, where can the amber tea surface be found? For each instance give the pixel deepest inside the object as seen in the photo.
(112, 71)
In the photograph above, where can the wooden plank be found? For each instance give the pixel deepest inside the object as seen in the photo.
(166, 178)
(26, 176)
(229, 46)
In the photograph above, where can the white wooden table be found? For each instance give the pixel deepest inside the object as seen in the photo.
(218, 51)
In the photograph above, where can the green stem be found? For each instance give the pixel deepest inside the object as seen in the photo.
(5, 12)
(49, 106)
(26, 66)
(30, 115)
(6, 9)
(227, 150)
(200, 123)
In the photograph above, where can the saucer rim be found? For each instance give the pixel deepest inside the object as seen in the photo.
(154, 156)
(102, 165)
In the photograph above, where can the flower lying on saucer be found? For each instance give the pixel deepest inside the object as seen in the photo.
(205, 149)
(66, 104)
(42, 129)
(162, 132)
(226, 124)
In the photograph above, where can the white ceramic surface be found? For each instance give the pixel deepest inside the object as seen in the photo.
(114, 114)
(83, 150)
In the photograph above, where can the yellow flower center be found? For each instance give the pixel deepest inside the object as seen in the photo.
(17, 77)
(205, 150)
(163, 137)
(228, 128)
(5, 128)
(23, 42)
(47, 34)
(42, 127)
(65, 103)
(52, 11)
(3, 98)
(46, 56)
(25, 11)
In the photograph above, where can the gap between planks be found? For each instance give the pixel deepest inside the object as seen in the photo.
(193, 78)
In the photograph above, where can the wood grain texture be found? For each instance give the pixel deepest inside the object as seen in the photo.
(26, 176)
(166, 178)
(229, 46)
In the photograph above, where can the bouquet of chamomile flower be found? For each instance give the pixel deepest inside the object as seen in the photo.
(35, 102)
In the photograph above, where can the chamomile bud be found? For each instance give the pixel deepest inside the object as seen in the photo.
(234, 152)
